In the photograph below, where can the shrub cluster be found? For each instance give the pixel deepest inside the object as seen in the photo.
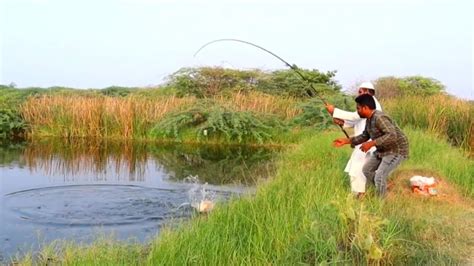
(11, 124)
(208, 120)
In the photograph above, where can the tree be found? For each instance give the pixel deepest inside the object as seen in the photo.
(389, 87)
(207, 81)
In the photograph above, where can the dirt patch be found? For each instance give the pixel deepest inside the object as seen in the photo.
(399, 184)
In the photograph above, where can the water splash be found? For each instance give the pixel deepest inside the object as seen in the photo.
(200, 198)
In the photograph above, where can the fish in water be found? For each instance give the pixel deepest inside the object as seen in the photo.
(204, 206)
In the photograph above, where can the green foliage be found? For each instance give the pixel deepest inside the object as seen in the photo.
(208, 120)
(288, 83)
(11, 98)
(418, 85)
(315, 114)
(389, 87)
(362, 230)
(207, 82)
(240, 126)
(11, 124)
(116, 91)
(175, 123)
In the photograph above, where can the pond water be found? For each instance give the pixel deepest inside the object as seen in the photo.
(79, 190)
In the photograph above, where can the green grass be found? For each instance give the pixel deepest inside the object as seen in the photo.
(104, 251)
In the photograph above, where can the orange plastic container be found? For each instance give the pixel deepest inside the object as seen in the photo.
(426, 190)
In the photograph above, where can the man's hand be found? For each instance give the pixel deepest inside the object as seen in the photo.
(341, 142)
(365, 147)
(338, 121)
(330, 108)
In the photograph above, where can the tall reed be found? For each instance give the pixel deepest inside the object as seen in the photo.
(447, 116)
(98, 116)
(133, 116)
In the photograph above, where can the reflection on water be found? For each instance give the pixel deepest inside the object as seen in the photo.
(129, 161)
(76, 159)
(215, 164)
(70, 190)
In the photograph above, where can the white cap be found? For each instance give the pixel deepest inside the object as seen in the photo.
(367, 85)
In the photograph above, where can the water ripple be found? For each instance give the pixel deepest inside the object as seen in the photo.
(95, 205)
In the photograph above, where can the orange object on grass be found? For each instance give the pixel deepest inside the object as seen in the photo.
(426, 189)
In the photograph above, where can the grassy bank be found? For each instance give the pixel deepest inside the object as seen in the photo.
(303, 215)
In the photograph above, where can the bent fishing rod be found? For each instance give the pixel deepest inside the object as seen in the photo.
(311, 93)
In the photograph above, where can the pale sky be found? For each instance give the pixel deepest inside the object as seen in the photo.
(96, 44)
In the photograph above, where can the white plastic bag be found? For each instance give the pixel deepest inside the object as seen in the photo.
(422, 181)
(424, 185)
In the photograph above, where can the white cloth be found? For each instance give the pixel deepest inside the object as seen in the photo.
(358, 157)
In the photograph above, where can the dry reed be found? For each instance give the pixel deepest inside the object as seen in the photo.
(130, 117)
(70, 116)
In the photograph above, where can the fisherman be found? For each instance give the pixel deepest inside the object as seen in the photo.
(380, 132)
(358, 158)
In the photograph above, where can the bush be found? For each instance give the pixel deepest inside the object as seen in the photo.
(208, 120)
(315, 114)
(11, 124)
